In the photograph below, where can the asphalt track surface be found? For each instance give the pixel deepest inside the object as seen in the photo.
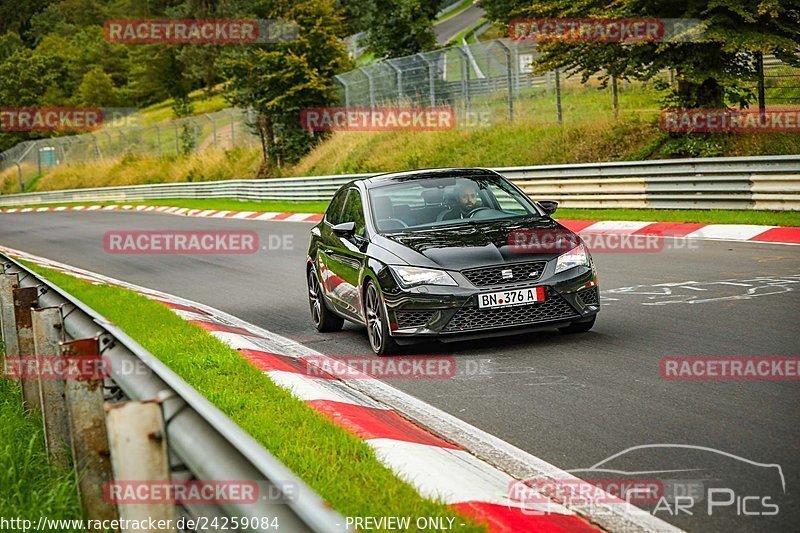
(570, 400)
(449, 28)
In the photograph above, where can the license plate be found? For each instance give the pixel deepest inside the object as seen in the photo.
(511, 298)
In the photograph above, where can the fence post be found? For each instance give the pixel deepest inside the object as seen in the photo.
(431, 79)
(399, 74)
(233, 129)
(548, 81)
(24, 300)
(340, 79)
(509, 79)
(87, 425)
(614, 97)
(370, 86)
(213, 128)
(8, 282)
(762, 102)
(138, 440)
(467, 69)
(47, 332)
(558, 97)
(19, 177)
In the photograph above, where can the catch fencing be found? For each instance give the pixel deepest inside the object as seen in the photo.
(763, 183)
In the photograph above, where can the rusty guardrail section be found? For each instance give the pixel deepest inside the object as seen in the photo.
(137, 420)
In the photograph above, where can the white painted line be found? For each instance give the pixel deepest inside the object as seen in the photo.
(728, 231)
(220, 214)
(205, 213)
(243, 214)
(62, 208)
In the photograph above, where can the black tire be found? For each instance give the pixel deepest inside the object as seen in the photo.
(579, 327)
(377, 322)
(323, 318)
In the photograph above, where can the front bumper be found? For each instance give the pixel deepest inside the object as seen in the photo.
(452, 313)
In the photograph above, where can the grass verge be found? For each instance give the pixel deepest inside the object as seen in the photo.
(712, 216)
(335, 463)
(29, 487)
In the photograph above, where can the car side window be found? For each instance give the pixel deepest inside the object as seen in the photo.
(333, 215)
(354, 212)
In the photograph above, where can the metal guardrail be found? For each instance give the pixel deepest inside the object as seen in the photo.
(201, 439)
(762, 182)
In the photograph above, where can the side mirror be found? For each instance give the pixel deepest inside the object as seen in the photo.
(345, 229)
(549, 207)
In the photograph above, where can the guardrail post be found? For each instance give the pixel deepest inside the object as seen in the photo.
(87, 425)
(24, 301)
(9, 282)
(138, 440)
(47, 332)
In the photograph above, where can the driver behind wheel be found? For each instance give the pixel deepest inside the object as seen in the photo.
(466, 196)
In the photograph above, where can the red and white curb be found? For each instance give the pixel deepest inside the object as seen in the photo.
(181, 211)
(723, 232)
(444, 458)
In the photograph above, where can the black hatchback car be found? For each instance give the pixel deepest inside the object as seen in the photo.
(447, 254)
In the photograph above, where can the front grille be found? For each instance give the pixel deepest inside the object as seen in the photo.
(589, 296)
(493, 275)
(413, 319)
(471, 318)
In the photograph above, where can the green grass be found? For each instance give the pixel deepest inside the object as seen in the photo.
(712, 216)
(29, 487)
(336, 464)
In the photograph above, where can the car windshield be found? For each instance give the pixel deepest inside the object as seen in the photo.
(418, 204)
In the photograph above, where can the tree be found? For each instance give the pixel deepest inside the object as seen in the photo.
(401, 27)
(279, 80)
(97, 89)
(711, 69)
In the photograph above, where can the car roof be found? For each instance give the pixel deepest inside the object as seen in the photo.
(383, 179)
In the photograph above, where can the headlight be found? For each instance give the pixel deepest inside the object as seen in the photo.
(575, 257)
(411, 276)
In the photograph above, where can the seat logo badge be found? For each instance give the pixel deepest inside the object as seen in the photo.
(533, 274)
(507, 274)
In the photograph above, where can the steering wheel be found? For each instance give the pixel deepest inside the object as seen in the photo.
(472, 213)
(396, 222)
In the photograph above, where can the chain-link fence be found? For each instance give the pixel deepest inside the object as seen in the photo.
(225, 129)
(495, 80)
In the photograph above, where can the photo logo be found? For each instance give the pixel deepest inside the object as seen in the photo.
(50, 119)
(370, 367)
(377, 119)
(190, 31)
(731, 368)
(180, 242)
(65, 119)
(620, 30)
(730, 120)
(558, 240)
(574, 491)
(35, 367)
(181, 492)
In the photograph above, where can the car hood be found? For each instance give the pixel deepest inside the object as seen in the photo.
(470, 245)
